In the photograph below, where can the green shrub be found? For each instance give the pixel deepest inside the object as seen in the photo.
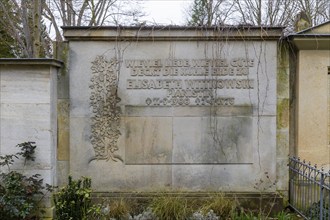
(74, 201)
(20, 195)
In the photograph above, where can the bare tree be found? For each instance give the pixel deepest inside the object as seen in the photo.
(266, 12)
(317, 11)
(89, 13)
(257, 12)
(25, 20)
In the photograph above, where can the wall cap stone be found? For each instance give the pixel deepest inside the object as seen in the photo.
(31, 61)
(314, 38)
(165, 33)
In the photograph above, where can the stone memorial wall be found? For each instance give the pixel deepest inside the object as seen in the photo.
(183, 109)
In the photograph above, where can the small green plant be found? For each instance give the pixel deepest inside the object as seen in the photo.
(120, 209)
(249, 215)
(169, 207)
(245, 215)
(74, 201)
(221, 206)
(284, 216)
(20, 195)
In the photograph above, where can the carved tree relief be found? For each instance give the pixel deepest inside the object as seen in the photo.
(105, 111)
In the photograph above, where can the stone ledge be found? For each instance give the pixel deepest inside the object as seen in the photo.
(31, 61)
(173, 33)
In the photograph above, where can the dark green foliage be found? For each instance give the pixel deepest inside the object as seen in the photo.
(314, 211)
(27, 150)
(74, 200)
(6, 45)
(21, 35)
(7, 42)
(20, 195)
(199, 13)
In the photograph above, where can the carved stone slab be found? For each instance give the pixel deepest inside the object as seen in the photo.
(188, 114)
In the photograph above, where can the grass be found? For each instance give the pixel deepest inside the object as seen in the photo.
(119, 209)
(221, 206)
(169, 207)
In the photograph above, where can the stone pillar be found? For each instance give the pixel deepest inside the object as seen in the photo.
(282, 122)
(63, 108)
(28, 98)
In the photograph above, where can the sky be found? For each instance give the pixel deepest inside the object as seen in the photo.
(165, 12)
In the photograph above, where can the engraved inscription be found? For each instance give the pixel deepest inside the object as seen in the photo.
(106, 113)
(189, 82)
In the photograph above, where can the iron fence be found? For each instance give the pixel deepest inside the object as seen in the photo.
(309, 190)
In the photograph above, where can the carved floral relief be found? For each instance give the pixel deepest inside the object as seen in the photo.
(105, 111)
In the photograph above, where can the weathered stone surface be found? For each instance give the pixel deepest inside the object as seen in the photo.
(28, 112)
(17, 85)
(63, 127)
(62, 172)
(203, 140)
(152, 115)
(148, 140)
(313, 106)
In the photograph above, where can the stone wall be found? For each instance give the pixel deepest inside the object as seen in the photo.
(180, 109)
(310, 94)
(28, 97)
(313, 111)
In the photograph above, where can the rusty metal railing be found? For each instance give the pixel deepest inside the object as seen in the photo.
(309, 189)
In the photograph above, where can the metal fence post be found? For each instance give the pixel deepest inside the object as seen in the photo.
(321, 194)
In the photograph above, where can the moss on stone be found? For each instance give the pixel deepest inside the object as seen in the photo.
(283, 113)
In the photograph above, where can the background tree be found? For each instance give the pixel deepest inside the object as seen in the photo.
(89, 13)
(317, 11)
(6, 41)
(23, 22)
(257, 12)
(209, 12)
(266, 12)
(6, 45)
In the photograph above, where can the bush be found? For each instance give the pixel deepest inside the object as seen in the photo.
(74, 201)
(20, 195)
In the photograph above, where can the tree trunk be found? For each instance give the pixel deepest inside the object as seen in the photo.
(36, 28)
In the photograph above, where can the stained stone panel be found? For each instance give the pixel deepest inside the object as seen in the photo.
(148, 140)
(212, 140)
